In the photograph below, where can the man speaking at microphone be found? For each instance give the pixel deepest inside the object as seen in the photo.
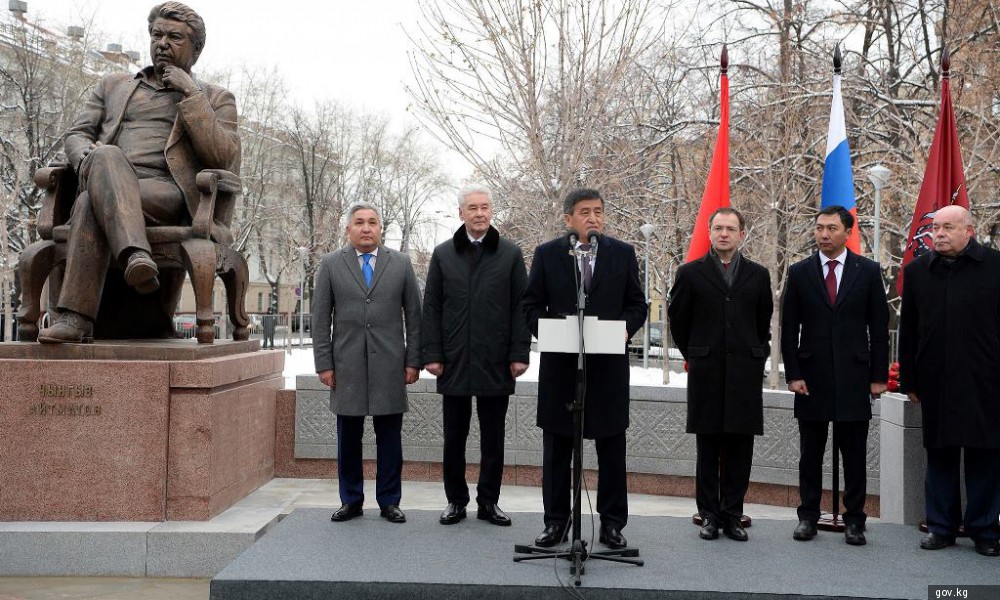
(609, 273)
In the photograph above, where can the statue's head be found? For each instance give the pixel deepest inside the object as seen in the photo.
(176, 35)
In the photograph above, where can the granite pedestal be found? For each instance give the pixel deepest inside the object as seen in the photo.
(903, 459)
(134, 431)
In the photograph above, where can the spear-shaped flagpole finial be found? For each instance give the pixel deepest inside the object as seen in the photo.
(837, 59)
(945, 63)
(724, 60)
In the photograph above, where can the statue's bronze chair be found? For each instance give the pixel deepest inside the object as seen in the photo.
(177, 250)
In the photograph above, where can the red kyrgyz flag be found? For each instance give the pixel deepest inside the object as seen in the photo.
(944, 178)
(717, 188)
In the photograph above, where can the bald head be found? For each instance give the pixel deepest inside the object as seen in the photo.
(953, 228)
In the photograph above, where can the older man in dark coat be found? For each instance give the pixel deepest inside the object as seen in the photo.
(835, 344)
(949, 362)
(476, 342)
(720, 318)
(613, 293)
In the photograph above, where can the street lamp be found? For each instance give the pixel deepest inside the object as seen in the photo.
(303, 253)
(647, 232)
(879, 177)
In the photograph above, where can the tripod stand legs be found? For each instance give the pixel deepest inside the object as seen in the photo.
(578, 555)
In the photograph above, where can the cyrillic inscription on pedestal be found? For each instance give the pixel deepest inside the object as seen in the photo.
(83, 440)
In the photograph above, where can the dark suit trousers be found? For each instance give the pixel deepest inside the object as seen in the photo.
(108, 218)
(492, 411)
(852, 438)
(389, 459)
(943, 496)
(723, 475)
(557, 481)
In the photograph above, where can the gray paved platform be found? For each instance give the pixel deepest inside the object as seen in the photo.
(308, 557)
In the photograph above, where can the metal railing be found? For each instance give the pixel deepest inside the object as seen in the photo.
(274, 331)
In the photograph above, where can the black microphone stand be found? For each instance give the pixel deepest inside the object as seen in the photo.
(577, 553)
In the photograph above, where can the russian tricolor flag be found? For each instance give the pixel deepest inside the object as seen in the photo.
(838, 182)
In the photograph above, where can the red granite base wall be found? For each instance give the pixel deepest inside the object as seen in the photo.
(146, 439)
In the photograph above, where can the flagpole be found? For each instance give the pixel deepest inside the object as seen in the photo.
(944, 178)
(833, 522)
(716, 193)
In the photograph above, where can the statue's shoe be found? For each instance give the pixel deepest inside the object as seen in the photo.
(69, 328)
(141, 272)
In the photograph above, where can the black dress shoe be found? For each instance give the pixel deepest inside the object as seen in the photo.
(346, 512)
(612, 537)
(493, 514)
(936, 541)
(988, 547)
(709, 530)
(552, 535)
(392, 514)
(452, 514)
(735, 531)
(854, 534)
(804, 531)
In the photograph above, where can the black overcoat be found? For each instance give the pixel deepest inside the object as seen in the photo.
(724, 334)
(839, 350)
(473, 321)
(949, 346)
(615, 294)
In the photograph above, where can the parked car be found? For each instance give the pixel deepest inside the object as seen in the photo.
(186, 326)
(655, 334)
(655, 339)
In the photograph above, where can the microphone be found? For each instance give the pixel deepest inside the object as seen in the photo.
(573, 238)
(593, 238)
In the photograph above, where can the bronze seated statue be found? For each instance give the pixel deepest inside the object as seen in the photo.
(148, 194)
(124, 312)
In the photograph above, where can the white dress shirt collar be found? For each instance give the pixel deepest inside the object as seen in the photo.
(841, 260)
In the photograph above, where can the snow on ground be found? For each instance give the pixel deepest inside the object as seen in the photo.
(300, 362)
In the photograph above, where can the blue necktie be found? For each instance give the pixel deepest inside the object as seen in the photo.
(366, 269)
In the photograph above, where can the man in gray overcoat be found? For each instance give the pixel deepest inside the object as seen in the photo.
(365, 295)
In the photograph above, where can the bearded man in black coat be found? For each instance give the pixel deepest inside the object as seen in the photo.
(949, 362)
(720, 318)
(476, 342)
(613, 292)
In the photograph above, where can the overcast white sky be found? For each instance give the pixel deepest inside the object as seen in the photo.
(352, 51)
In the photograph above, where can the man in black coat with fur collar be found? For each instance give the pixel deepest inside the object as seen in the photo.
(476, 342)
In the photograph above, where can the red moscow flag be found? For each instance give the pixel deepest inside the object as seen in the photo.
(944, 178)
(717, 188)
